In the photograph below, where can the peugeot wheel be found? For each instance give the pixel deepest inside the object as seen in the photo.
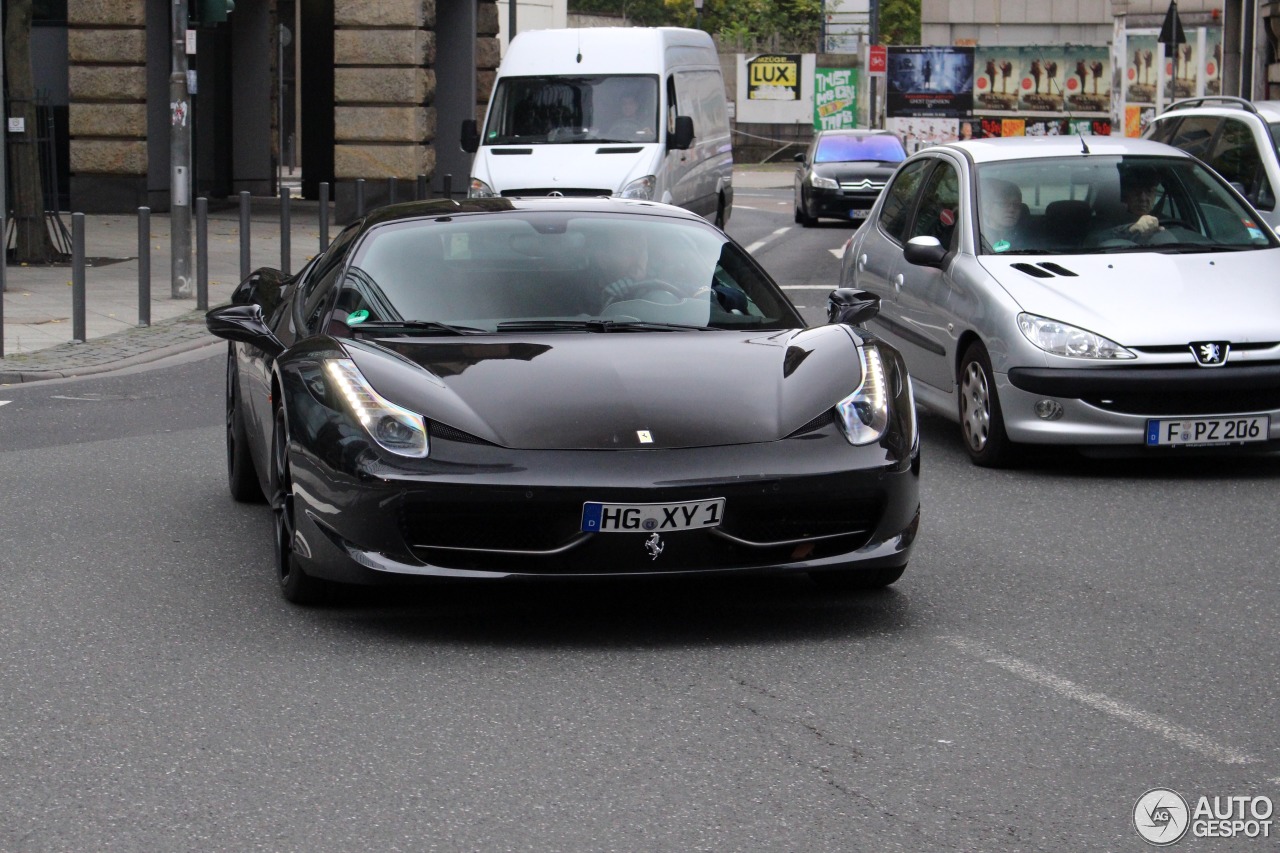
(981, 420)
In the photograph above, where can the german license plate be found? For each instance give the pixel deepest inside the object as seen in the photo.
(859, 214)
(1204, 431)
(645, 518)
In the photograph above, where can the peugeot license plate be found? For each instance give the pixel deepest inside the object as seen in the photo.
(644, 518)
(1205, 431)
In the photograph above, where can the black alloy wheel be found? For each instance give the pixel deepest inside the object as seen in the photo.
(295, 584)
(242, 477)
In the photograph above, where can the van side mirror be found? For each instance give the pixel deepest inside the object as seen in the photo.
(924, 252)
(855, 307)
(682, 138)
(470, 136)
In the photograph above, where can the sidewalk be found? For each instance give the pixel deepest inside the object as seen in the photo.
(37, 304)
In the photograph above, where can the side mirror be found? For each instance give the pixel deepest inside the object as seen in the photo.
(243, 323)
(470, 136)
(682, 138)
(924, 252)
(799, 158)
(855, 307)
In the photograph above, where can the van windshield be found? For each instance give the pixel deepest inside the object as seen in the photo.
(559, 110)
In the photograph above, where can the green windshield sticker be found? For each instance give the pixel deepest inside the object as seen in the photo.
(1001, 246)
(356, 317)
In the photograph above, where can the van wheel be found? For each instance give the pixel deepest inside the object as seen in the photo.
(721, 219)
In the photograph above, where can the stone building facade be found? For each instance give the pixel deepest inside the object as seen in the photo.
(382, 88)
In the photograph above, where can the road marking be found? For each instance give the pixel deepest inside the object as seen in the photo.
(751, 250)
(839, 253)
(1180, 735)
(5, 402)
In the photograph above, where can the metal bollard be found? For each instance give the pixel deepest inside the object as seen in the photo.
(77, 277)
(202, 254)
(286, 231)
(359, 197)
(144, 266)
(447, 190)
(324, 215)
(244, 234)
(4, 263)
(393, 190)
(421, 189)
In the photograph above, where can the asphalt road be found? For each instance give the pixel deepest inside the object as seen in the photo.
(1068, 636)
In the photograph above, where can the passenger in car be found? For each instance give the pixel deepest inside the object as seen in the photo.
(1004, 216)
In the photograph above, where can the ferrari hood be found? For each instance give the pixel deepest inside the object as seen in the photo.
(566, 168)
(619, 390)
(1150, 298)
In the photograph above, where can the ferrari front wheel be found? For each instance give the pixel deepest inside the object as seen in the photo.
(295, 584)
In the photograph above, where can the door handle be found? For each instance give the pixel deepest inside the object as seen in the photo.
(862, 262)
(897, 283)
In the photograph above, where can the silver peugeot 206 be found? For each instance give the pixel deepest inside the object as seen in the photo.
(1092, 291)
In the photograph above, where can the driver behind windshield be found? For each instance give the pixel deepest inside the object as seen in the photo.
(1139, 189)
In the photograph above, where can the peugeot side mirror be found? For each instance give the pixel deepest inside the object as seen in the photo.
(243, 323)
(682, 138)
(855, 307)
(924, 252)
(470, 136)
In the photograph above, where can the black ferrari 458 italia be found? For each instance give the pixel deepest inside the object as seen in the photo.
(501, 388)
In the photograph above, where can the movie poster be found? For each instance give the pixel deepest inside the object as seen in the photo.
(1088, 84)
(1182, 69)
(930, 81)
(1212, 61)
(997, 74)
(918, 132)
(1140, 69)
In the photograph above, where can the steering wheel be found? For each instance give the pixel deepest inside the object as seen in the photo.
(639, 289)
(625, 128)
(1177, 223)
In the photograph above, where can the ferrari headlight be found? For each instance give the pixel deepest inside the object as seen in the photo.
(641, 188)
(820, 183)
(479, 189)
(394, 428)
(1062, 339)
(864, 414)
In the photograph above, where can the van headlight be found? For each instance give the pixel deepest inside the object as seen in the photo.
(864, 415)
(1063, 339)
(394, 428)
(479, 189)
(641, 188)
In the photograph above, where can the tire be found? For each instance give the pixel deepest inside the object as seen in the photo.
(805, 220)
(296, 585)
(242, 476)
(721, 221)
(981, 418)
(856, 580)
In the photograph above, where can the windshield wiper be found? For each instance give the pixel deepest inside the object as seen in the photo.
(414, 326)
(1173, 248)
(594, 326)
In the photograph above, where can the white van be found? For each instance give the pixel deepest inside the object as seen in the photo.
(617, 111)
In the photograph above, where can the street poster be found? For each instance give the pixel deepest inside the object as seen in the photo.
(929, 81)
(835, 99)
(774, 77)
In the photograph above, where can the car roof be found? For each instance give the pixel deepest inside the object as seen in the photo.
(594, 204)
(1268, 111)
(1030, 147)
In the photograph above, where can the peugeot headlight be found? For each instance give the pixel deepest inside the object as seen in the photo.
(864, 414)
(820, 183)
(393, 427)
(479, 189)
(1062, 339)
(641, 188)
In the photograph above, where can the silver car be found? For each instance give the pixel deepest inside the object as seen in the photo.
(1089, 291)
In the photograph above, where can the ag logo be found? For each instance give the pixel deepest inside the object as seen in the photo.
(1161, 816)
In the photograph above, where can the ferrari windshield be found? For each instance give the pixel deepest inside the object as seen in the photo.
(559, 110)
(1098, 203)
(562, 271)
